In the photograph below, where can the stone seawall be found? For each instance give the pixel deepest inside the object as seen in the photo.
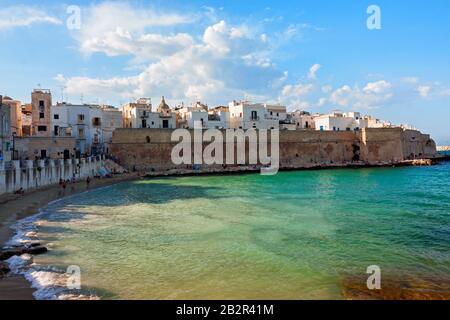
(150, 149)
(30, 174)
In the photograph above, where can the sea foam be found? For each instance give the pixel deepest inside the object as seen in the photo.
(50, 283)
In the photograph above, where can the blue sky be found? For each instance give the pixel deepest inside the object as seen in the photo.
(313, 55)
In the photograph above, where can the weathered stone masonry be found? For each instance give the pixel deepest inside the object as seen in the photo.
(150, 149)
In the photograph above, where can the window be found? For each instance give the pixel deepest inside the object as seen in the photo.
(41, 115)
(306, 124)
(271, 113)
(56, 116)
(144, 123)
(254, 115)
(165, 124)
(42, 128)
(81, 133)
(81, 117)
(41, 106)
(334, 128)
(96, 122)
(56, 130)
(278, 114)
(321, 128)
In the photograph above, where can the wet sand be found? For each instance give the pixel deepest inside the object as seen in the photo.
(17, 207)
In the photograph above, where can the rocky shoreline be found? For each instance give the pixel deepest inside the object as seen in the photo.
(14, 208)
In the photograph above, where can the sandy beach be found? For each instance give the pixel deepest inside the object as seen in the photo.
(17, 207)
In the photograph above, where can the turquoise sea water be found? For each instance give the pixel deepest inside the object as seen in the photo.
(295, 235)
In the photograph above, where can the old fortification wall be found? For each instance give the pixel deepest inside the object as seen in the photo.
(150, 149)
(30, 174)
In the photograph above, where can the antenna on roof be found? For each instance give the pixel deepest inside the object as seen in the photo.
(81, 98)
(62, 93)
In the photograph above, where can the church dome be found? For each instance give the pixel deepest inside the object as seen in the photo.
(163, 106)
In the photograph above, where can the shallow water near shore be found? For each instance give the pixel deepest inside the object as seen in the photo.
(296, 235)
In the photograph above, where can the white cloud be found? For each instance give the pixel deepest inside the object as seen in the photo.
(116, 28)
(377, 87)
(297, 90)
(225, 62)
(322, 102)
(23, 16)
(424, 91)
(374, 94)
(327, 88)
(313, 71)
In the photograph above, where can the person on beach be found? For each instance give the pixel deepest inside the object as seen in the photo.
(20, 191)
(88, 182)
(64, 186)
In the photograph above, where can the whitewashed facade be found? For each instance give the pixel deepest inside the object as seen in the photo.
(338, 121)
(245, 115)
(91, 125)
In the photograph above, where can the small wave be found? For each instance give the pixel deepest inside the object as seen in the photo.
(50, 283)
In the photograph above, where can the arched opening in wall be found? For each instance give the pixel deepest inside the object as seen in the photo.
(356, 152)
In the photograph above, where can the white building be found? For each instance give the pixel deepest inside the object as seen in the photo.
(377, 123)
(111, 120)
(140, 115)
(187, 117)
(338, 121)
(245, 115)
(219, 118)
(298, 120)
(90, 125)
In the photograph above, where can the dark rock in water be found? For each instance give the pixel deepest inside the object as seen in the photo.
(18, 251)
(35, 250)
(8, 253)
(4, 269)
(35, 244)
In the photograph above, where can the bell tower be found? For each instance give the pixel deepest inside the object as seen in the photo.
(41, 102)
